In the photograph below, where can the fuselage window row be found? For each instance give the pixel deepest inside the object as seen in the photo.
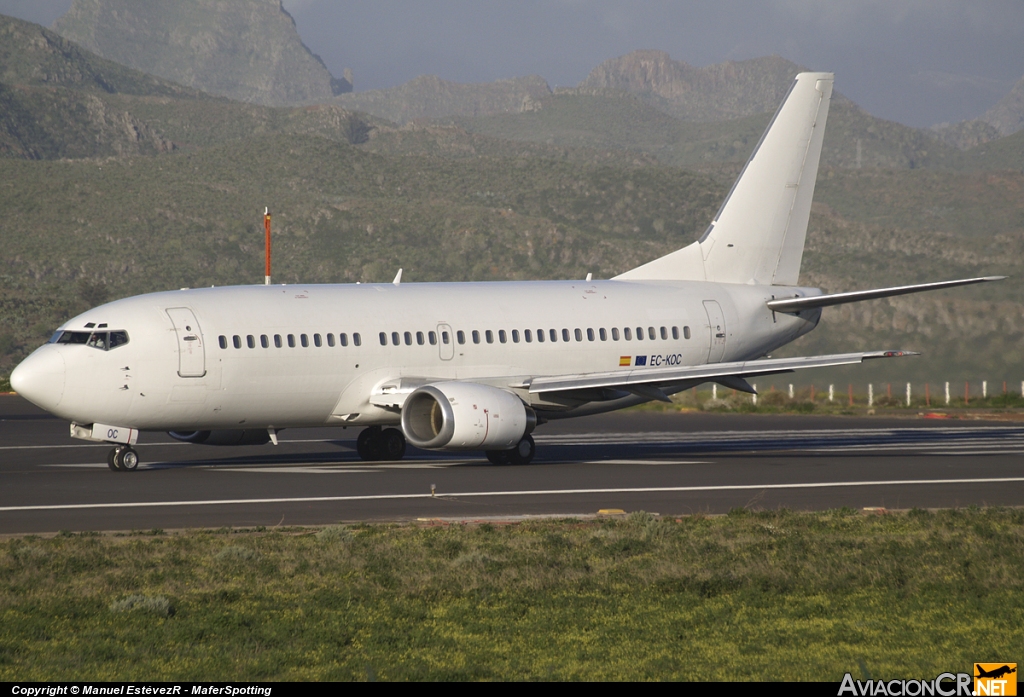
(115, 339)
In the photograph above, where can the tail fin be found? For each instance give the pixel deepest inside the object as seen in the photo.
(758, 235)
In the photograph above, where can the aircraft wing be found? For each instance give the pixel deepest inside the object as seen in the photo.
(731, 374)
(796, 304)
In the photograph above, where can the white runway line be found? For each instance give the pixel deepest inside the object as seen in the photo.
(483, 494)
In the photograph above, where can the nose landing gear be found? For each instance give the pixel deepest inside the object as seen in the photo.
(123, 458)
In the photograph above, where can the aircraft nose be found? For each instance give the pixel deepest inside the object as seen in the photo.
(40, 378)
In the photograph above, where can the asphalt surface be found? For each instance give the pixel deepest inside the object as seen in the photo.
(664, 463)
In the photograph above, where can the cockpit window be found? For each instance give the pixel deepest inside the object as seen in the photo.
(104, 341)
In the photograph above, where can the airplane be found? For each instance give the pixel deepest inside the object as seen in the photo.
(461, 366)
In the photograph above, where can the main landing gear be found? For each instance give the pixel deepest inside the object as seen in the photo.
(522, 454)
(123, 458)
(375, 444)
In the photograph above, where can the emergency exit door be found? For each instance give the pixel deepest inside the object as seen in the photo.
(716, 329)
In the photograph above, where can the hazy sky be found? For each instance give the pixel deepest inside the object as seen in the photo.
(920, 62)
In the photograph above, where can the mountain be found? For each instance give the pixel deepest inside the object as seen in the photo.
(717, 92)
(429, 97)
(247, 50)
(1007, 116)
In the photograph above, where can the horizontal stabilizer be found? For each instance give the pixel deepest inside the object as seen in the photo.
(629, 380)
(797, 304)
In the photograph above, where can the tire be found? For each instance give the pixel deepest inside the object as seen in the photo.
(498, 457)
(524, 451)
(368, 444)
(392, 444)
(129, 459)
(112, 460)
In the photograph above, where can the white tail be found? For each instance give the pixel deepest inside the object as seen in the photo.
(758, 235)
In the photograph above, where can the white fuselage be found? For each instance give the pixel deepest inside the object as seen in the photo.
(171, 375)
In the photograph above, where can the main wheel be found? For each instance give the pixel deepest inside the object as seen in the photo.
(368, 444)
(129, 459)
(392, 444)
(498, 457)
(112, 460)
(524, 451)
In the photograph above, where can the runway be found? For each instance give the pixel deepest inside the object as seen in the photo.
(666, 463)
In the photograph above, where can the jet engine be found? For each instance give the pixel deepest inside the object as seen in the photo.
(465, 416)
(250, 436)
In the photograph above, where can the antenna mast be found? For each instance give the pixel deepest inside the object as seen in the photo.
(266, 227)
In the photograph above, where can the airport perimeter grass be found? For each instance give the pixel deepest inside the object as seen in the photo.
(770, 595)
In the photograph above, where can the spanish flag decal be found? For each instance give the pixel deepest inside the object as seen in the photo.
(624, 360)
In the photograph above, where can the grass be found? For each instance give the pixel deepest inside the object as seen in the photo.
(751, 595)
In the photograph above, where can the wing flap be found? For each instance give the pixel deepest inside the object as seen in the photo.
(713, 372)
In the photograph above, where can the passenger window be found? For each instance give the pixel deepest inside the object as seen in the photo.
(264, 341)
(603, 333)
(305, 340)
(553, 335)
(461, 336)
(118, 339)
(675, 332)
(277, 340)
(432, 337)
(223, 341)
(528, 335)
(578, 334)
(357, 340)
(639, 333)
(395, 339)
(330, 339)
(515, 336)
(408, 338)
(651, 334)
(686, 332)
(489, 335)
(444, 338)
(343, 339)
(565, 334)
(664, 333)
(317, 341)
(250, 341)
(590, 334)
(626, 334)
(540, 336)
(476, 336)
(237, 341)
(502, 337)
(615, 333)
(383, 339)
(291, 341)
(419, 338)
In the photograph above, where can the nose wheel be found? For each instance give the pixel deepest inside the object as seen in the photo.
(123, 458)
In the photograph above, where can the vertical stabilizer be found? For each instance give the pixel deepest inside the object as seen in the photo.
(758, 235)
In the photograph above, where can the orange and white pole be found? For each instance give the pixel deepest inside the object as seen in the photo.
(266, 227)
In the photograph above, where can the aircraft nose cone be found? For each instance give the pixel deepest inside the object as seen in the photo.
(40, 378)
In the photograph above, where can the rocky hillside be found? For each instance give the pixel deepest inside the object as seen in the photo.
(247, 50)
(1007, 116)
(429, 97)
(716, 92)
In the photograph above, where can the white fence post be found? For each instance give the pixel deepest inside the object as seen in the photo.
(791, 390)
(947, 391)
(754, 396)
(871, 395)
(908, 394)
(984, 389)
(831, 393)
(714, 390)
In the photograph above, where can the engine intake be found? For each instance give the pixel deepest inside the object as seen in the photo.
(465, 416)
(251, 436)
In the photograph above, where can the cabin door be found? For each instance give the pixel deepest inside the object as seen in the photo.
(716, 330)
(445, 342)
(191, 353)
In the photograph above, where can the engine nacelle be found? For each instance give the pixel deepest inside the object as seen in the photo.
(465, 416)
(250, 436)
